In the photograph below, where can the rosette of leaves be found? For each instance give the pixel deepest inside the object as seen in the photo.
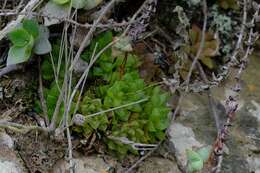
(91, 124)
(27, 37)
(104, 64)
(144, 122)
(125, 91)
(210, 50)
(196, 159)
(157, 114)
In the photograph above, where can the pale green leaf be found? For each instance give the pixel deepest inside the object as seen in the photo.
(204, 152)
(19, 37)
(195, 162)
(18, 55)
(42, 44)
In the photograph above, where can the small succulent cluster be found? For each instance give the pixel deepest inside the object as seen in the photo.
(143, 122)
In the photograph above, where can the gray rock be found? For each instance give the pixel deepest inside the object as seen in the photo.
(10, 162)
(9, 167)
(6, 140)
(182, 138)
(91, 164)
(254, 164)
(158, 165)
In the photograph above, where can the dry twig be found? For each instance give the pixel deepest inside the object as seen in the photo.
(28, 8)
(201, 46)
(231, 102)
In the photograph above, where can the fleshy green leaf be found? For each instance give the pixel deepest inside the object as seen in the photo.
(19, 37)
(32, 27)
(18, 55)
(195, 162)
(204, 152)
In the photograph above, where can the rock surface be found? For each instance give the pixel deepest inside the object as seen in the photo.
(243, 144)
(182, 138)
(6, 140)
(10, 162)
(90, 164)
(158, 165)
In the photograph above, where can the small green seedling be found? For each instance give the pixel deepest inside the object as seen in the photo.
(27, 38)
(196, 159)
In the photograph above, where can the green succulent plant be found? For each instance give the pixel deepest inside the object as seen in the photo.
(196, 159)
(25, 40)
(144, 122)
(88, 106)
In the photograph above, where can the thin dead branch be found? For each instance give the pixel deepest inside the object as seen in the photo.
(201, 46)
(231, 102)
(28, 8)
(138, 162)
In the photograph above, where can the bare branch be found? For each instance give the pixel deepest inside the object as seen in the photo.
(201, 46)
(29, 7)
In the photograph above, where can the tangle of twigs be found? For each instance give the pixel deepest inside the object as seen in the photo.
(231, 102)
